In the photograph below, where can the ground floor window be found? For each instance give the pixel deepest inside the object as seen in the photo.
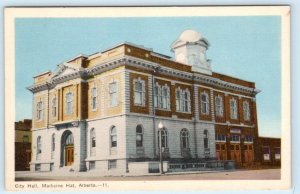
(277, 154)
(266, 153)
(92, 165)
(112, 164)
(38, 167)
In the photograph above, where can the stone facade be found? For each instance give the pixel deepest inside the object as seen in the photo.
(101, 112)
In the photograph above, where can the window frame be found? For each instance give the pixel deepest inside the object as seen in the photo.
(183, 100)
(139, 143)
(206, 139)
(54, 107)
(219, 107)
(205, 103)
(184, 136)
(113, 94)
(94, 98)
(38, 147)
(164, 136)
(113, 144)
(93, 142)
(40, 110)
(141, 92)
(69, 103)
(246, 111)
(233, 109)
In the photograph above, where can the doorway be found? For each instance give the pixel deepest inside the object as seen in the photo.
(67, 149)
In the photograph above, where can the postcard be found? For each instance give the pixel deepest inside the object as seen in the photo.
(131, 98)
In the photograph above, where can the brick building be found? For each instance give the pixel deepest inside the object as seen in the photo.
(270, 151)
(23, 144)
(102, 111)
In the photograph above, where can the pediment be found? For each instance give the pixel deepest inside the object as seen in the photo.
(65, 69)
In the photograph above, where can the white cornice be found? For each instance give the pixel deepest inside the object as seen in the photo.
(140, 63)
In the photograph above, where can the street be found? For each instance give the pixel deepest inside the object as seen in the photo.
(266, 174)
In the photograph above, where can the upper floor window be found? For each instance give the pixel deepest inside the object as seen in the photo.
(113, 94)
(139, 136)
(39, 110)
(184, 137)
(69, 101)
(162, 96)
(219, 106)
(205, 138)
(204, 103)
(54, 107)
(233, 108)
(93, 141)
(113, 137)
(183, 100)
(139, 92)
(246, 110)
(94, 98)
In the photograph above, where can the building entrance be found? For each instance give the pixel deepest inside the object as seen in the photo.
(67, 149)
(235, 150)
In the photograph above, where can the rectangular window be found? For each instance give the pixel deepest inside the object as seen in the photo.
(220, 137)
(219, 106)
(94, 101)
(235, 138)
(40, 110)
(178, 100)
(249, 139)
(92, 165)
(69, 100)
(233, 109)
(139, 92)
(266, 153)
(113, 94)
(54, 105)
(183, 101)
(112, 164)
(38, 167)
(277, 153)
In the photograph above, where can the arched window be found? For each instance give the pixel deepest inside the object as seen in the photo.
(69, 101)
(38, 148)
(93, 141)
(39, 115)
(246, 110)
(70, 139)
(184, 137)
(139, 92)
(94, 98)
(139, 136)
(205, 138)
(233, 108)
(164, 138)
(54, 107)
(113, 137)
(113, 94)
(204, 103)
(219, 106)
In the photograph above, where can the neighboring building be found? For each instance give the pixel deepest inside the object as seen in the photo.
(23, 144)
(271, 151)
(101, 112)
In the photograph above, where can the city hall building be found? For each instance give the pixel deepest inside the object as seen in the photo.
(112, 111)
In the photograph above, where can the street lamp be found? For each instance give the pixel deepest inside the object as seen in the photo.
(160, 129)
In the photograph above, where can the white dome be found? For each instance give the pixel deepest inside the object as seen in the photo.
(190, 36)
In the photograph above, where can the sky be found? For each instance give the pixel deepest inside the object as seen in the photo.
(244, 47)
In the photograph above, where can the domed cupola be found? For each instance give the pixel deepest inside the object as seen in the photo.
(190, 48)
